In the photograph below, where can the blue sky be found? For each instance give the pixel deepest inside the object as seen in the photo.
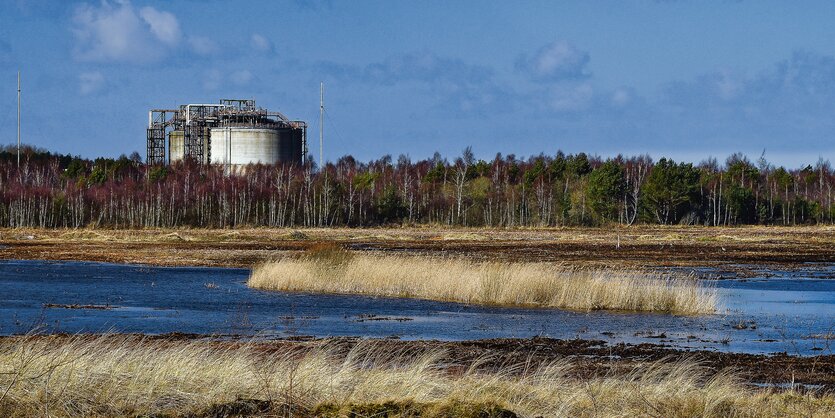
(684, 79)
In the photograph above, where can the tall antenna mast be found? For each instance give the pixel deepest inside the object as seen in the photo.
(321, 124)
(18, 119)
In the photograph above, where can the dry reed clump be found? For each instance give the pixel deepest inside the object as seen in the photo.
(132, 376)
(85, 235)
(449, 279)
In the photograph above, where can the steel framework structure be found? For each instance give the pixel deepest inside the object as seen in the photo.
(156, 137)
(195, 121)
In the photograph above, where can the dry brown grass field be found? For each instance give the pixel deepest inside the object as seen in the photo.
(640, 246)
(113, 376)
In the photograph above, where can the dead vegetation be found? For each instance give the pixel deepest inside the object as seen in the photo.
(635, 246)
(331, 269)
(140, 376)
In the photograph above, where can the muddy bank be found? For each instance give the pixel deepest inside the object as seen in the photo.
(638, 246)
(594, 358)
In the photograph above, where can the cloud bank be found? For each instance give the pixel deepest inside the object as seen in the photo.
(557, 61)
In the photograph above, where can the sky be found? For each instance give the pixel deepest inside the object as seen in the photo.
(682, 79)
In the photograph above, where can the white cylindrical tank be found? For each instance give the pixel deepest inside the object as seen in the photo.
(241, 146)
(176, 146)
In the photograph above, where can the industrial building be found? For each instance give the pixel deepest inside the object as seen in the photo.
(233, 133)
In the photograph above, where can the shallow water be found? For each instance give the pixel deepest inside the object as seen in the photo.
(783, 312)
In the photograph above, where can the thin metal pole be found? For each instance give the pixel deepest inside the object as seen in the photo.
(18, 119)
(321, 124)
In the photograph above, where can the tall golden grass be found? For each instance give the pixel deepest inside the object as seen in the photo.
(131, 376)
(492, 283)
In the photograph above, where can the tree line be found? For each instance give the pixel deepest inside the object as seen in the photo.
(61, 191)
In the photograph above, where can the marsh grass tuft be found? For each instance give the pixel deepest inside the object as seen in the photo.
(334, 270)
(134, 376)
(327, 258)
(328, 253)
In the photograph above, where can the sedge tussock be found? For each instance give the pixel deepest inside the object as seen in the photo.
(133, 376)
(485, 282)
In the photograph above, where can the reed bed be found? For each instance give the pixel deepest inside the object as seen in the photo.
(486, 282)
(132, 376)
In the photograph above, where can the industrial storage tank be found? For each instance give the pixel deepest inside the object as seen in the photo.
(241, 146)
(176, 146)
(233, 132)
(292, 144)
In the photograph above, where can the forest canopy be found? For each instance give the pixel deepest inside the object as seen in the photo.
(51, 190)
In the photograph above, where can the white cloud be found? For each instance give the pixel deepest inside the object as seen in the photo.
(202, 45)
(164, 25)
(261, 44)
(728, 85)
(117, 32)
(423, 67)
(558, 60)
(241, 77)
(90, 82)
(621, 97)
(571, 98)
(109, 33)
(212, 79)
